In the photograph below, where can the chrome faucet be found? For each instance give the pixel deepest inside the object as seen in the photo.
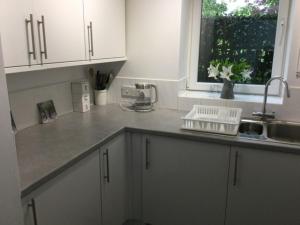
(264, 115)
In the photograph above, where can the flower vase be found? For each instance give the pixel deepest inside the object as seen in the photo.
(227, 90)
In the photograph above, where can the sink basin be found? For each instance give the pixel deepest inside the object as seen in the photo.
(251, 129)
(286, 132)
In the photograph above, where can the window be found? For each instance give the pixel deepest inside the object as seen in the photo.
(246, 33)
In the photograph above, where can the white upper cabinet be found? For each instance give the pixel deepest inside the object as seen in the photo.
(61, 32)
(18, 37)
(105, 28)
(60, 29)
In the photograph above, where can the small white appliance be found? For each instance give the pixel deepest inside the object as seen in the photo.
(139, 98)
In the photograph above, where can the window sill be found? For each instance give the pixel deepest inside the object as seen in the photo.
(203, 95)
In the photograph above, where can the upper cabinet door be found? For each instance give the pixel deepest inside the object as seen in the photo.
(105, 28)
(18, 36)
(60, 29)
(264, 188)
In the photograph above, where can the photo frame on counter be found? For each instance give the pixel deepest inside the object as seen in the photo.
(47, 111)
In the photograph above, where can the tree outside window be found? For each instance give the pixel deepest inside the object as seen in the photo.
(238, 31)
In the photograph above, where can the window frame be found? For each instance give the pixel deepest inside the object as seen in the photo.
(278, 60)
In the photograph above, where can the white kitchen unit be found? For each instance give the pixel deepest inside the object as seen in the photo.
(51, 34)
(18, 31)
(10, 199)
(60, 30)
(184, 182)
(264, 188)
(105, 28)
(114, 178)
(37, 32)
(71, 198)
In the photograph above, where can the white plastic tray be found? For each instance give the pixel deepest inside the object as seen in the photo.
(213, 119)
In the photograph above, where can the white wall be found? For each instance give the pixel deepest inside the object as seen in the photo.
(28, 89)
(159, 58)
(10, 199)
(153, 39)
(157, 41)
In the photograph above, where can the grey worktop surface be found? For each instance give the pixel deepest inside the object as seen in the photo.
(46, 150)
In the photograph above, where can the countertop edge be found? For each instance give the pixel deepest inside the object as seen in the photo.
(194, 136)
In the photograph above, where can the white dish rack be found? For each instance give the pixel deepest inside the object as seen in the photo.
(213, 119)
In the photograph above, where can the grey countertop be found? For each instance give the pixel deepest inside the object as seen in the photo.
(46, 150)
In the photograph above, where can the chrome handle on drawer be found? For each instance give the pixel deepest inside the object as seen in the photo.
(107, 177)
(43, 51)
(90, 39)
(33, 51)
(147, 152)
(298, 66)
(235, 176)
(33, 207)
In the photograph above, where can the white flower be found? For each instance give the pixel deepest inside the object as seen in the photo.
(246, 74)
(213, 71)
(226, 73)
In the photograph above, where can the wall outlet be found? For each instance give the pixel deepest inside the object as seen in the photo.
(129, 92)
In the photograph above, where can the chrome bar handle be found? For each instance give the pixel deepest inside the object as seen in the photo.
(147, 152)
(89, 41)
(236, 159)
(33, 206)
(298, 66)
(92, 39)
(44, 51)
(33, 51)
(107, 177)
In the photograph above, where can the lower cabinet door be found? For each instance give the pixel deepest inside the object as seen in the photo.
(113, 159)
(73, 198)
(264, 188)
(184, 182)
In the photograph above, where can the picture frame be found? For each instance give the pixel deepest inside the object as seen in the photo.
(47, 111)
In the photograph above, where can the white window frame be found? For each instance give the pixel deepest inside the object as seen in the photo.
(278, 60)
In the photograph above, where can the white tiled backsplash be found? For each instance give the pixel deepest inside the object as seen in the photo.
(168, 98)
(167, 90)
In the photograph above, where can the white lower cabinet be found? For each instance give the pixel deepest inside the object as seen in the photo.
(72, 198)
(264, 188)
(184, 182)
(113, 160)
(166, 181)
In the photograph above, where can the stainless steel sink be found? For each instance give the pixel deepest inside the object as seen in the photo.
(252, 129)
(284, 131)
(276, 131)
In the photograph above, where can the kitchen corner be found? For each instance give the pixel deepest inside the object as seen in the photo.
(44, 151)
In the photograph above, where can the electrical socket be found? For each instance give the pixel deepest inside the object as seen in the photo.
(129, 92)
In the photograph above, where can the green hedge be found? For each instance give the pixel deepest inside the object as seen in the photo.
(236, 38)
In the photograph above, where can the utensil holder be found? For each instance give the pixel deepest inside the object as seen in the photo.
(100, 97)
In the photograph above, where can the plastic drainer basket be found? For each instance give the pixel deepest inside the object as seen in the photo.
(213, 119)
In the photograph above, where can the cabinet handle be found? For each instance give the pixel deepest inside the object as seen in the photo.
(33, 206)
(42, 52)
(147, 154)
(33, 52)
(91, 39)
(106, 177)
(298, 66)
(236, 159)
